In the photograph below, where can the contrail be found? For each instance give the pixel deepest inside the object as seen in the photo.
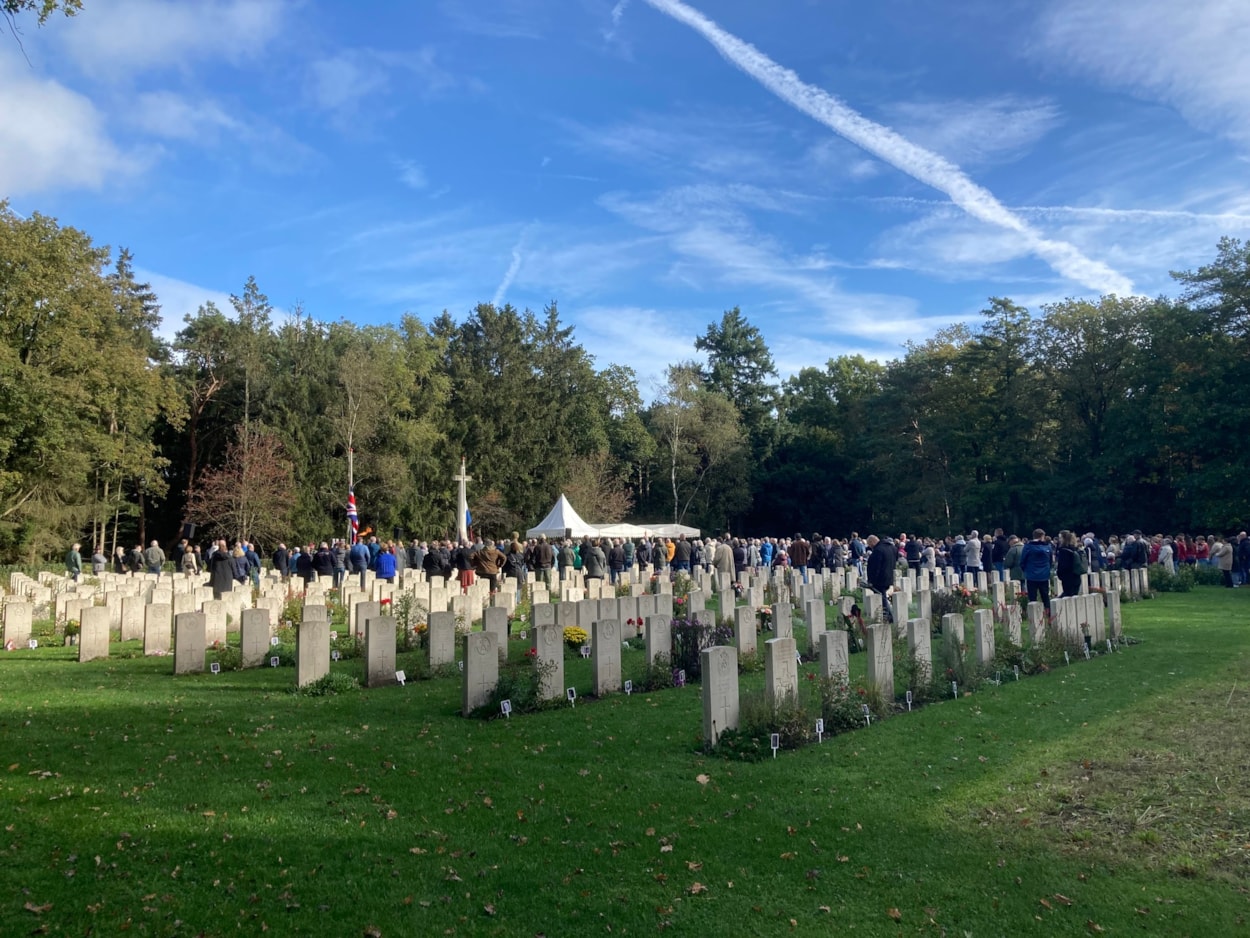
(513, 268)
(917, 162)
(617, 12)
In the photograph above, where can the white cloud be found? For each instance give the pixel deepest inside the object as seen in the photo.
(340, 82)
(412, 175)
(922, 165)
(180, 299)
(166, 114)
(642, 338)
(54, 138)
(127, 37)
(1191, 56)
(979, 131)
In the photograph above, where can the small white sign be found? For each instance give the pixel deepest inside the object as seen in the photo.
(505, 707)
(461, 664)
(273, 662)
(273, 642)
(1016, 669)
(334, 636)
(215, 668)
(571, 693)
(798, 657)
(629, 688)
(820, 729)
(523, 635)
(1067, 658)
(867, 716)
(625, 644)
(954, 689)
(681, 678)
(775, 741)
(400, 678)
(1110, 650)
(909, 701)
(1086, 652)
(585, 650)
(334, 655)
(33, 643)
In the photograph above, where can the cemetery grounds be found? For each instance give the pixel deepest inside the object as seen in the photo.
(1108, 797)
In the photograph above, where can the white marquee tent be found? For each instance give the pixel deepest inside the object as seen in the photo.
(562, 521)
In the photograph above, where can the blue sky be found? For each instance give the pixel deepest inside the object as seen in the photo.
(852, 175)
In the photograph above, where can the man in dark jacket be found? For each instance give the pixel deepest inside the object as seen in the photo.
(882, 559)
(1035, 565)
(800, 554)
(281, 561)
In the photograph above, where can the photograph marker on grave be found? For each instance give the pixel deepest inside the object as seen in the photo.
(585, 651)
(1087, 653)
(400, 678)
(334, 655)
(523, 635)
(629, 688)
(1066, 658)
(505, 707)
(681, 678)
(820, 729)
(273, 662)
(571, 693)
(215, 668)
(909, 701)
(867, 716)
(954, 689)
(33, 644)
(334, 636)
(1110, 650)
(274, 642)
(461, 665)
(775, 741)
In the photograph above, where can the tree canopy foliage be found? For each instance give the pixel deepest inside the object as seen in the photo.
(1104, 413)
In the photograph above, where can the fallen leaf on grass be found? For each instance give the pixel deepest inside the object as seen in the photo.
(894, 914)
(1045, 904)
(824, 908)
(666, 848)
(693, 867)
(37, 909)
(1094, 927)
(1062, 898)
(488, 909)
(702, 779)
(696, 888)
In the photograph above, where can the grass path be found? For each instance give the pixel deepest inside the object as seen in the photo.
(1105, 798)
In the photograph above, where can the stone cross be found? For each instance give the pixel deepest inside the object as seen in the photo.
(463, 479)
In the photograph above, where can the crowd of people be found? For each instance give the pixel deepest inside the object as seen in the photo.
(1030, 561)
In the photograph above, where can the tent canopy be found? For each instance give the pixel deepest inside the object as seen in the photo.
(562, 521)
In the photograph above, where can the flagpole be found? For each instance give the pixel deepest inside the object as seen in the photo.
(351, 485)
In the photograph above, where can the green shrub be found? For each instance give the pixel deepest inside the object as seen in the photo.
(230, 657)
(1182, 581)
(329, 685)
(690, 637)
(841, 707)
(1204, 575)
(757, 721)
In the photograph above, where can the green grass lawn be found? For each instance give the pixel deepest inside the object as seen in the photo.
(1109, 797)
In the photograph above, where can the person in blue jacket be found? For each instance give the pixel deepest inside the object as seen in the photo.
(1035, 561)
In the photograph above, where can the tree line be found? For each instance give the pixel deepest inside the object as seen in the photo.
(1105, 414)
